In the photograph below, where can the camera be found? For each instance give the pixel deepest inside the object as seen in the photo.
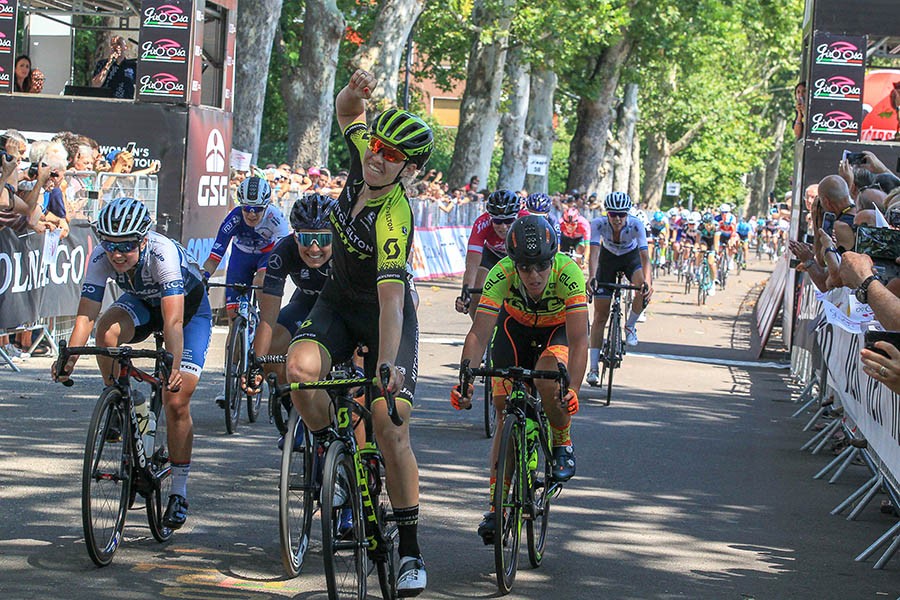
(855, 158)
(32, 171)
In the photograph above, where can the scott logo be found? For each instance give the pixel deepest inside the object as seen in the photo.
(835, 122)
(839, 53)
(161, 84)
(166, 16)
(837, 88)
(164, 50)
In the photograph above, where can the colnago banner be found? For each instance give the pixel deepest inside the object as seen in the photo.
(41, 275)
(8, 20)
(835, 86)
(164, 50)
(868, 403)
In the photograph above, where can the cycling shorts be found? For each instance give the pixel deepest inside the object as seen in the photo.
(743, 236)
(569, 244)
(517, 345)
(489, 258)
(338, 331)
(197, 325)
(609, 265)
(242, 266)
(294, 313)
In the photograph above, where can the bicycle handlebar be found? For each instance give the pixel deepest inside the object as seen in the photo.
(240, 287)
(118, 352)
(517, 374)
(271, 359)
(384, 373)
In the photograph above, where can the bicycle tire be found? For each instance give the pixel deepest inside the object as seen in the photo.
(234, 368)
(508, 504)
(343, 552)
(615, 343)
(254, 401)
(539, 505)
(296, 496)
(385, 561)
(162, 469)
(106, 477)
(490, 412)
(280, 411)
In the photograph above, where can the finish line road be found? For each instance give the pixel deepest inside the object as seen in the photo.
(690, 485)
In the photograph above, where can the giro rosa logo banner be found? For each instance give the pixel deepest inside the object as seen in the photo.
(5, 44)
(837, 88)
(167, 16)
(841, 52)
(5, 79)
(835, 122)
(7, 10)
(161, 84)
(164, 50)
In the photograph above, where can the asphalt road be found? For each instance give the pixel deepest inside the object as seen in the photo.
(690, 485)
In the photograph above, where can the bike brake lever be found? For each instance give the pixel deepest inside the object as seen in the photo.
(61, 363)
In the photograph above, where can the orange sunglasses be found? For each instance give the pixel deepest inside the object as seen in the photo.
(389, 153)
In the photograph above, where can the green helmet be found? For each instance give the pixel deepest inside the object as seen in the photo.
(406, 132)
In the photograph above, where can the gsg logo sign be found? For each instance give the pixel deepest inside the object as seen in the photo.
(213, 189)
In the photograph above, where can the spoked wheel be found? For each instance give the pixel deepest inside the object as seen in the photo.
(253, 403)
(234, 370)
(106, 477)
(385, 560)
(614, 339)
(508, 505)
(297, 493)
(490, 413)
(343, 542)
(537, 521)
(162, 469)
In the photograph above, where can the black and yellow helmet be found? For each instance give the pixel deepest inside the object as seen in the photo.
(406, 132)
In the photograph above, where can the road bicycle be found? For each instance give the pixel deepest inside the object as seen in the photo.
(722, 263)
(704, 278)
(351, 478)
(490, 414)
(239, 366)
(123, 456)
(613, 350)
(525, 485)
(740, 258)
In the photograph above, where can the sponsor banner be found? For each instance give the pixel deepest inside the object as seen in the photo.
(42, 278)
(835, 86)
(206, 194)
(164, 50)
(439, 251)
(869, 404)
(8, 14)
(842, 310)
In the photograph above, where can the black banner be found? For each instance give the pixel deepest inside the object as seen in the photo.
(35, 285)
(8, 14)
(836, 76)
(164, 51)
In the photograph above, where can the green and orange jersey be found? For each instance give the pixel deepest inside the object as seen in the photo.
(565, 292)
(373, 246)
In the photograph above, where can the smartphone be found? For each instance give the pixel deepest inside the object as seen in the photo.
(891, 337)
(828, 223)
(882, 245)
(854, 158)
(130, 147)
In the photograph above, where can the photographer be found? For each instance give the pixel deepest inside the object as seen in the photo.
(13, 207)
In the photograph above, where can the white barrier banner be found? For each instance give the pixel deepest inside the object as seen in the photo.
(439, 251)
(868, 403)
(842, 309)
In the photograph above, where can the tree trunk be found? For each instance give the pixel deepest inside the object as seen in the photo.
(478, 115)
(756, 181)
(512, 124)
(594, 115)
(625, 126)
(773, 158)
(656, 167)
(382, 52)
(634, 177)
(308, 88)
(539, 123)
(254, 39)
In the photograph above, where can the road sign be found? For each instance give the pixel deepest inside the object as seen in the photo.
(537, 164)
(673, 188)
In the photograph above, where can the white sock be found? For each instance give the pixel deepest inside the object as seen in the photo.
(179, 479)
(632, 320)
(594, 359)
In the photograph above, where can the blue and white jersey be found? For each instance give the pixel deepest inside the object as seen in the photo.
(633, 235)
(163, 269)
(251, 240)
(743, 228)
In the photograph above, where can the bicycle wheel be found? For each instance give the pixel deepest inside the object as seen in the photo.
(234, 369)
(253, 402)
(296, 495)
(162, 470)
(739, 261)
(615, 342)
(384, 558)
(490, 413)
(508, 504)
(539, 505)
(343, 548)
(106, 477)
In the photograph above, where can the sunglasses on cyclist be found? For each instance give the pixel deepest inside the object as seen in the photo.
(253, 210)
(321, 239)
(121, 247)
(503, 220)
(616, 214)
(388, 153)
(535, 267)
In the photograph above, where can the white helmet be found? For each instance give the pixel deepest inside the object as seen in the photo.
(673, 213)
(618, 201)
(694, 218)
(254, 191)
(123, 217)
(725, 208)
(685, 214)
